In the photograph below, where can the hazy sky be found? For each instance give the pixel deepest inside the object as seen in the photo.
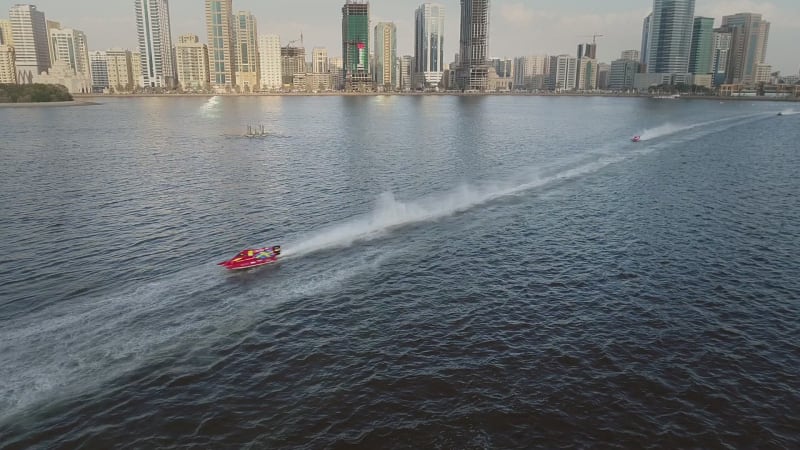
(518, 27)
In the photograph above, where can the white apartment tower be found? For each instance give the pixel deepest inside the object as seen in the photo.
(31, 45)
(319, 60)
(563, 73)
(70, 46)
(269, 55)
(155, 43)
(429, 43)
(192, 58)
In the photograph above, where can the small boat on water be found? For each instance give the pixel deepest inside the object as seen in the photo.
(252, 257)
(636, 139)
(780, 113)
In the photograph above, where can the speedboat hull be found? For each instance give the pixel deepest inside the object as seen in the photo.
(250, 258)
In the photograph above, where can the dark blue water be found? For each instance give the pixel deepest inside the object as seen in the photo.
(459, 272)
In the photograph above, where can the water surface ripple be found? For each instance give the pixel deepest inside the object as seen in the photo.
(503, 272)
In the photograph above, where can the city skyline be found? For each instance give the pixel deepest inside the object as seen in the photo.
(518, 28)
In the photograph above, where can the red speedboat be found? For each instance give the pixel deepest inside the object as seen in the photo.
(636, 139)
(252, 257)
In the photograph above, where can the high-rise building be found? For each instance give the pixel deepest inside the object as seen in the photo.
(31, 45)
(385, 45)
(293, 62)
(530, 72)
(99, 68)
(586, 77)
(355, 43)
(70, 46)
(720, 49)
(622, 74)
(503, 67)
(269, 54)
(120, 69)
(192, 59)
(429, 43)
(603, 75)
(670, 37)
(138, 76)
(750, 34)
(473, 69)
(6, 37)
(155, 43)
(763, 73)
(588, 50)
(337, 72)
(246, 34)
(221, 44)
(8, 69)
(700, 56)
(632, 55)
(645, 40)
(52, 25)
(563, 72)
(406, 72)
(319, 60)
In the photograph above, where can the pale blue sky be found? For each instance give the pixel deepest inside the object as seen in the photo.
(519, 27)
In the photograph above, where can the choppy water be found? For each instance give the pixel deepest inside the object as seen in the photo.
(459, 272)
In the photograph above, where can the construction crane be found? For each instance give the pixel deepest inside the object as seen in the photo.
(594, 37)
(292, 42)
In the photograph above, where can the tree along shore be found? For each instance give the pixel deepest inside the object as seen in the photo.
(34, 93)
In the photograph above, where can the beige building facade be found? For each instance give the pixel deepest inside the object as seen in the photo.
(247, 73)
(120, 70)
(192, 56)
(6, 37)
(70, 45)
(138, 76)
(8, 70)
(221, 44)
(62, 73)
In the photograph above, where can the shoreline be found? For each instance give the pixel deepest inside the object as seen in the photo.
(48, 104)
(431, 94)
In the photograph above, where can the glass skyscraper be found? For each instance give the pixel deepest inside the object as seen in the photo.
(670, 36)
(701, 56)
(750, 34)
(429, 43)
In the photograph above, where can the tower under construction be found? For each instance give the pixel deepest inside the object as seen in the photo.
(473, 68)
(355, 45)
